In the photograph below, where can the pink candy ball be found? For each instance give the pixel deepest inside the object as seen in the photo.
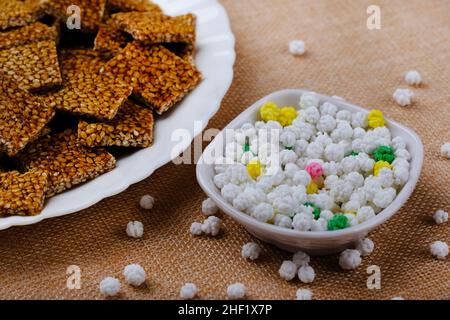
(314, 169)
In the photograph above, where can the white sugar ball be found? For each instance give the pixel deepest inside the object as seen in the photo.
(413, 78)
(196, 228)
(251, 251)
(283, 221)
(109, 286)
(188, 291)
(209, 207)
(403, 97)
(365, 246)
(211, 226)
(135, 229)
(288, 270)
(236, 291)
(350, 259)
(303, 294)
(440, 216)
(297, 47)
(439, 249)
(445, 150)
(147, 202)
(306, 274)
(300, 258)
(134, 274)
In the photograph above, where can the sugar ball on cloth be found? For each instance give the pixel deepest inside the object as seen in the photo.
(211, 226)
(439, 249)
(135, 229)
(236, 291)
(251, 251)
(134, 274)
(365, 246)
(303, 294)
(196, 228)
(109, 286)
(209, 207)
(350, 259)
(188, 291)
(403, 97)
(413, 78)
(306, 274)
(300, 258)
(288, 270)
(440, 216)
(147, 202)
(297, 47)
(445, 149)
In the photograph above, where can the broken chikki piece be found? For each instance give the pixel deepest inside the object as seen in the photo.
(66, 162)
(22, 117)
(152, 28)
(17, 13)
(22, 194)
(91, 12)
(133, 5)
(109, 39)
(32, 66)
(159, 77)
(131, 127)
(32, 33)
(85, 91)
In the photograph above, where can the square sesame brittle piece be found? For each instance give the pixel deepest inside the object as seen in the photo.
(22, 194)
(66, 162)
(150, 28)
(131, 127)
(86, 91)
(22, 117)
(33, 66)
(133, 5)
(17, 13)
(159, 77)
(32, 33)
(109, 39)
(91, 11)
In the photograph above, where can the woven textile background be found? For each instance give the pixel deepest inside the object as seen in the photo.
(344, 58)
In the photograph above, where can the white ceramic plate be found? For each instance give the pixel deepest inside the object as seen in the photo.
(320, 242)
(215, 58)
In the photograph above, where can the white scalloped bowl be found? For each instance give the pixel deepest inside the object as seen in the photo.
(215, 58)
(314, 243)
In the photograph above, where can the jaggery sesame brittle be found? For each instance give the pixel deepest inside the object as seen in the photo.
(152, 28)
(85, 91)
(22, 117)
(33, 66)
(66, 162)
(91, 11)
(131, 127)
(109, 39)
(132, 5)
(159, 77)
(32, 33)
(17, 13)
(185, 51)
(22, 194)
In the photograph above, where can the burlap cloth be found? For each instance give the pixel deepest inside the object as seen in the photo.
(344, 58)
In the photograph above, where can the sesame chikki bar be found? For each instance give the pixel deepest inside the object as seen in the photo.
(17, 13)
(133, 5)
(32, 33)
(22, 194)
(152, 28)
(131, 127)
(22, 117)
(159, 77)
(66, 162)
(109, 39)
(33, 66)
(85, 91)
(91, 11)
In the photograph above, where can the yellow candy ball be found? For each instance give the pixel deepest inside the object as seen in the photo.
(254, 168)
(287, 115)
(379, 165)
(269, 111)
(375, 118)
(312, 188)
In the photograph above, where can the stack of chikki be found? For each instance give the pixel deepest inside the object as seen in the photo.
(67, 97)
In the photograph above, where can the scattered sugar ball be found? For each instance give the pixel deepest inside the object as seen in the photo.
(196, 228)
(403, 97)
(365, 246)
(303, 294)
(109, 286)
(439, 249)
(188, 291)
(413, 78)
(134, 274)
(445, 150)
(288, 270)
(397, 298)
(306, 274)
(350, 259)
(440, 216)
(211, 226)
(251, 251)
(297, 47)
(135, 229)
(209, 207)
(300, 258)
(236, 291)
(147, 202)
